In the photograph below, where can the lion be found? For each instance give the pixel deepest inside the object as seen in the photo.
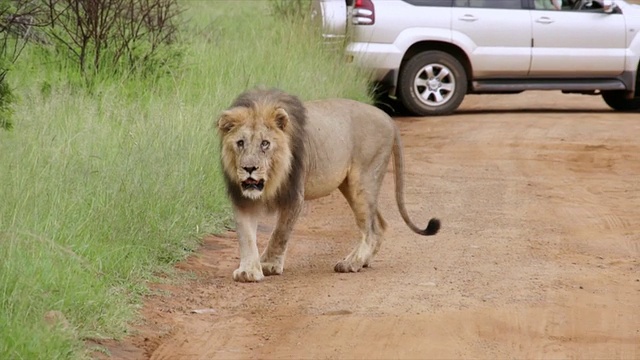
(277, 152)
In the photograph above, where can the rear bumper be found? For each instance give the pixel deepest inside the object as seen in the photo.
(380, 59)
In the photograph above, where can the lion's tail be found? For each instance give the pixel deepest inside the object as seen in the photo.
(398, 165)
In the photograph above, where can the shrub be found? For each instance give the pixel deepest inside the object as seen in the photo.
(6, 100)
(114, 35)
(17, 19)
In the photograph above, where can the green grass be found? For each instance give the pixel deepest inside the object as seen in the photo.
(101, 189)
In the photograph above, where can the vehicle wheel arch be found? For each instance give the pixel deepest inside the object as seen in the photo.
(449, 48)
(432, 82)
(622, 100)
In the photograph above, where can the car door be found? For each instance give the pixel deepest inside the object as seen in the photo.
(499, 34)
(578, 40)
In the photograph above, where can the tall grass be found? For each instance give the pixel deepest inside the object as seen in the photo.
(102, 188)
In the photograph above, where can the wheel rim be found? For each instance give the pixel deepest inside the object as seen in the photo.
(434, 84)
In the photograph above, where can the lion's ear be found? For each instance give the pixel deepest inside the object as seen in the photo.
(281, 118)
(227, 121)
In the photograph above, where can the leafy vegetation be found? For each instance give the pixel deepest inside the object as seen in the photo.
(117, 34)
(16, 18)
(107, 185)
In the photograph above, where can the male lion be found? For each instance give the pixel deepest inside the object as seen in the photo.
(277, 152)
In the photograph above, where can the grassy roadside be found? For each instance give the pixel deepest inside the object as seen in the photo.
(102, 189)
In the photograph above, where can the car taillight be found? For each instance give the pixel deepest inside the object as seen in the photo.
(363, 13)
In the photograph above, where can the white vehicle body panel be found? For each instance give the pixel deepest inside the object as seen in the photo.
(492, 50)
(578, 42)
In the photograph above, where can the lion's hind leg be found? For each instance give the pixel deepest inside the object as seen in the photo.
(362, 198)
(382, 224)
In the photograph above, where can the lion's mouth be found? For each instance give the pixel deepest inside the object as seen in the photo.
(252, 184)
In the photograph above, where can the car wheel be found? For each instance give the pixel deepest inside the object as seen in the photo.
(617, 100)
(432, 83)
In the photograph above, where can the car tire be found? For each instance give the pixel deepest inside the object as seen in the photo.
(617, 100)
(432, 83)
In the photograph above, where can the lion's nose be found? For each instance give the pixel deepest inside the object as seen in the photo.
(250, 169)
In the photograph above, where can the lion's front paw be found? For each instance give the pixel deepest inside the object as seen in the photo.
(345, 266)
(272, 265)
(272, 268)
(248, 275)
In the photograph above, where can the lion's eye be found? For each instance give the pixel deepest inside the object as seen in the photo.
(265, 145)
(240, 143)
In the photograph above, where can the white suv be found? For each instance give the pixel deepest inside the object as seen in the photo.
(430, 53)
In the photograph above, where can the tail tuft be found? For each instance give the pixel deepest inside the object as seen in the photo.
(432, 227)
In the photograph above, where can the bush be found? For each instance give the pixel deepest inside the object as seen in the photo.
(114, 35)
(6, 102)
(17, 19)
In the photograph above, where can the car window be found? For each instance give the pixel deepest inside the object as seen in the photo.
(443, 3)
(489, 4)
(553, 4)
(569, 5)
(583, 5)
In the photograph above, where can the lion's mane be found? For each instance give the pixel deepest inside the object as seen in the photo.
(260, 101)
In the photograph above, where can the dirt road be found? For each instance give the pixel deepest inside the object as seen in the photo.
(538, 256)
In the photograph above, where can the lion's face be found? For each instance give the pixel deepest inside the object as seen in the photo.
(255, 149)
